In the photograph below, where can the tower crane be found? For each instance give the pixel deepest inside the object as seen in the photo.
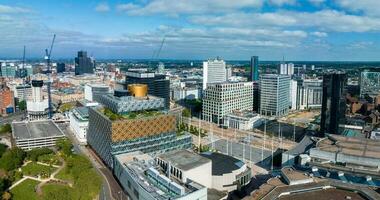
(48, 65)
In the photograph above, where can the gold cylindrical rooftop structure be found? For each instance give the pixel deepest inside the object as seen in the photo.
(138, 90)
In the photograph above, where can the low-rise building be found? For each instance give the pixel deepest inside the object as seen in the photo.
(79, 123)
(228, 173)
(142, 178)
(7, 104)
(35, 134)
(243, 120)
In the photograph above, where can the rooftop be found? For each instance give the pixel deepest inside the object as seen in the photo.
(328, 194)
(140, 165)
(183, 159)
(35, 129)
(351, 146)
(222, 164)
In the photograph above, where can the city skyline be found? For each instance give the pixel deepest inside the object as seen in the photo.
(336, 30)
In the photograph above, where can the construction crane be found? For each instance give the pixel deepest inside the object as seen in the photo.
(48, 65)
(156, 54)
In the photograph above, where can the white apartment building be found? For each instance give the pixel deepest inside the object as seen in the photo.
(79, 123)
(305, 94)
(274, 95)
(286, 68)
(214, 71)
(221, 99)
(37, 106)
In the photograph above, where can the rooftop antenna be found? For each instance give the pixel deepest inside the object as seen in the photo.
(48, 64)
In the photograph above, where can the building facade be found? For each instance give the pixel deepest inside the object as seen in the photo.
(370, 83)
(333, 103)
(61, 67)
(221, 99)
(79, 123)
(214, 71)
(254, 72)
(37, 107)
(7, 103)
(274, 95)
(83, 64)
(93, 91)
(158, 85)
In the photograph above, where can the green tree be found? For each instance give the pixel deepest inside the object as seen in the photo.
(12, 159)
(6, 196)
(186, 113)
(22, 105)
(3, 149)
(65, 146)
(6, 128)
(4, 184)
(35, 153)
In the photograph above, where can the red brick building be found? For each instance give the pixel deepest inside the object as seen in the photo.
(7, 103)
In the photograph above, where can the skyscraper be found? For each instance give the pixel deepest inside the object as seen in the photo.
(254, 76)
(274, 94)
(158, 85)
(83, 64)
(333, 103)
(61, 67)
(214, 71)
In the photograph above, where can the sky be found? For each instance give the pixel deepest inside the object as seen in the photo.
(296, 30)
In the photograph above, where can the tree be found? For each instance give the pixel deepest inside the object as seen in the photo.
(12, 159)
(6, 196)
(6, 128)
(22, 105)
(4, 184)
(35, 153)
(65, 146)
(186, 113)
(3, 149)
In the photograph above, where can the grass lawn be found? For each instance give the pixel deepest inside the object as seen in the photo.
(34, 169)
(25, 190)
(53, 191)
(49, 158)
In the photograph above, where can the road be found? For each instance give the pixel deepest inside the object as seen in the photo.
(256, 139)
(111, 190)
(8, 119)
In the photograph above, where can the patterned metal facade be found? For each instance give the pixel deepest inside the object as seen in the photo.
(127, 104)
(149, 135)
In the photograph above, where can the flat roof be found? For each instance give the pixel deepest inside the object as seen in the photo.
(350, 146)
(325, 194)
(184, 159)
(293, 175)
(35, 129)
(222, 164)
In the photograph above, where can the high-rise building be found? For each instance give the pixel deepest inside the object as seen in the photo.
(333, 103)
(214, 71)
(311, 94)
(228, 73)
(37, 107)
(158, 85)
(83, 64)
(133, 123)
(256, 97)
(61, 67)
(254, 76)
(7, 104)
(220, 99)
(274, 94)
(287, 69)
(8, 69)
(370, 83)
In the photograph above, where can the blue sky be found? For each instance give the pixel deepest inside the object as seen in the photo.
(344, 30)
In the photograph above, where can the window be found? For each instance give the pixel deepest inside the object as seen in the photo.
(136, 193)
(129, 184)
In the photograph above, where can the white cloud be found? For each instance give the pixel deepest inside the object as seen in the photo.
(326, 20)
(369, 7)
(319, 34)
(102, 7)
(282, 2)
(167, 7)
(317, 2)
(360, 45)
(4, 9)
